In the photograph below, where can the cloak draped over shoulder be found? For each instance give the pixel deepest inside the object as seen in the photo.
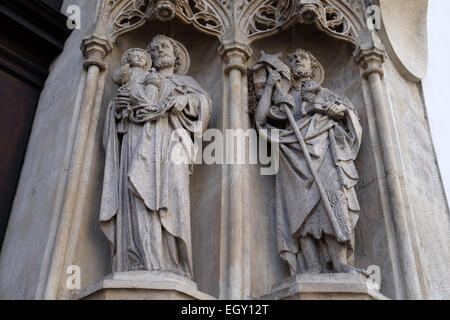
(145, 207)
(333, 146)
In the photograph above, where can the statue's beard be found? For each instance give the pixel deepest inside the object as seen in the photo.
(301, 72)
(163, 62)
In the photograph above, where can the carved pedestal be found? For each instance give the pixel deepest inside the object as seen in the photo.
(142, 285)
(339, 286)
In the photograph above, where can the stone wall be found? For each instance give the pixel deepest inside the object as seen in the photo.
(429, 217)
(29, 243)
(34, 218)
(206, 67)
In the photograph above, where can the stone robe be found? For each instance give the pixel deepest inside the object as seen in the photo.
(145, 209)
(333, 146)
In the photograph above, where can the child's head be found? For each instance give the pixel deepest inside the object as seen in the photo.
(138, 58)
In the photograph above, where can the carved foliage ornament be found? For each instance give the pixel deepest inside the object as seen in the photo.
(340, 19)
(343, 19)
(203, 15)
(119, 16)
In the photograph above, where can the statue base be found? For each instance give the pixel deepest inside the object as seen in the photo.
(337, 286)
(144, 285)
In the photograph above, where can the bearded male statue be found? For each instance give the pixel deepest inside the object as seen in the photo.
(145, 208)
(330, 129)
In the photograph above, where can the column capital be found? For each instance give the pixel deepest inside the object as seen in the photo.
(235, 56)
(95, 48)
(235, 49)
(370, 54)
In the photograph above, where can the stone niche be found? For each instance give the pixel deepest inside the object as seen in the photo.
(234, 231)
(262, 265)
(207, 68)
(372, 245)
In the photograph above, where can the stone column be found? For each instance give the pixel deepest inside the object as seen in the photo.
(234, 176)
(95, 50)
(370, 56)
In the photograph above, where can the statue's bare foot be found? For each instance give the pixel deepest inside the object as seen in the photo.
(346, 268)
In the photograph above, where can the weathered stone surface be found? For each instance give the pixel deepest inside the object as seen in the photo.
(404, 26)
(428, 212)
(143, 285)
(403, 226)
(335, 286)
(37, 205)
(317, 207)
(145, 208)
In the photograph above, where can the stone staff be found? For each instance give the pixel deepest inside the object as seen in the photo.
(340, 237)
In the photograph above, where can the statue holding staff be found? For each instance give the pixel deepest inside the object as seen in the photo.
(317, 208)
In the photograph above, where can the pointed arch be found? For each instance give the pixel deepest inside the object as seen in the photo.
(341, 19)
(247, 19)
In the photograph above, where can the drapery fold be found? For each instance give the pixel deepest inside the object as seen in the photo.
(146, 186)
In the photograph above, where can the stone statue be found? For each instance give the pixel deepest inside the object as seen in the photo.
(317, 208)
(136, 64)
(145, 208)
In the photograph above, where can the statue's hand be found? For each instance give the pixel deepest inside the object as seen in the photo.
(336, 111)
(178, 103)
(274, 77)
(126, 68)
(123, 99)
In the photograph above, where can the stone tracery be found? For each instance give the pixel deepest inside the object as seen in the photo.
(232, 21)
(247, 20)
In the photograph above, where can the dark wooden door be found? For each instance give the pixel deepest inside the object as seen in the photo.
(17, 107)
(32, 34)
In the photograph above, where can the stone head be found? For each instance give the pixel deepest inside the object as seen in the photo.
(138, 58)
(163, 52)
(301, 62)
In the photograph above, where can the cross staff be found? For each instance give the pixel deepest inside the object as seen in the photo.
(334, 223)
